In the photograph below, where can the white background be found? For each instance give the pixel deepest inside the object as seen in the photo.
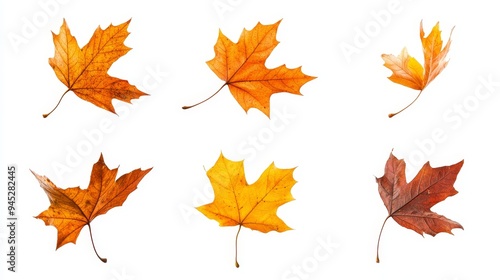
(337, 134)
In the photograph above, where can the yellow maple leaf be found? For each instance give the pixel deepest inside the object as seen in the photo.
(254, 206)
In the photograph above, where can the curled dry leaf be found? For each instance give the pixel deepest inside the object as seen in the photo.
(73, 208)
(409, 204)
(407, 71)
(254, 206)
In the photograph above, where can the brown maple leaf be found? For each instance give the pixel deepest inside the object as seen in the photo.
(407, 71)
(73, 208)
(84, 71)
(242, 66)
(254, 206)
(409, 204)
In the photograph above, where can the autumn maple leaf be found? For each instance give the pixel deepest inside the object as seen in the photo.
(253, 206)
(84, 71)
(409, 204)
(407, 71)
(242, 66)
(73, 208)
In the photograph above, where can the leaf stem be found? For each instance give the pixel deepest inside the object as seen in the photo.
(393, 114)
(46, 115)
(187, 107)
(380, 234)
(104, 260)
(236, 246)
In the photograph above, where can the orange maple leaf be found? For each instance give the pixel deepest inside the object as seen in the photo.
(84, 71)
(73, 208)
(242, 66)
(409, 204)
(407, 71)
(253, 206)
